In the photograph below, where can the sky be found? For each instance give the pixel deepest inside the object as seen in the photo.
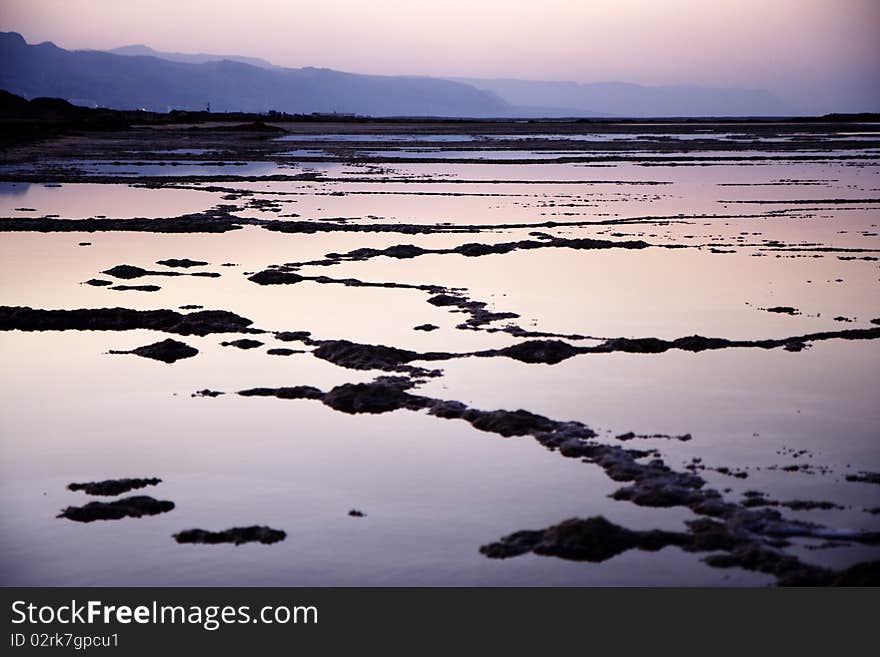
(802, 50)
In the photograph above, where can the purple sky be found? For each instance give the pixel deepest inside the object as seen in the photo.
(799, 49)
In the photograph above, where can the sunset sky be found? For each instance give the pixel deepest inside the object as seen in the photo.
(800, 49)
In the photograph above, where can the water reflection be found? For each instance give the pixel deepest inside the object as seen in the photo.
(435, 490)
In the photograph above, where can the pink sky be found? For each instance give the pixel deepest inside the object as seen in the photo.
(797, 48)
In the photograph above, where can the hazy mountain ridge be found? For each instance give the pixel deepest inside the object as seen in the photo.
(141, 50)
(634, 100)
(533, 98)
(129, 82)
(138, 76)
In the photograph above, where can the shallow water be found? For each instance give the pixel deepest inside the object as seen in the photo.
(172, 168)
(342, 138)
(84, 200)
(725, 242)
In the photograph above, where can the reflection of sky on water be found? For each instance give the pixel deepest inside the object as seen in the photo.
(592, 137)
(180, 168)
(434, 490)
(83, 200)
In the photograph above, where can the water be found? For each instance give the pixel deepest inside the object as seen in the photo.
(435, 490)
(174, 168)
(85, 200)
(343, 138)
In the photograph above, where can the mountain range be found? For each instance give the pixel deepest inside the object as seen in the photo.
(140, 50)
(137, 76)
(634, 100)
(95, 78)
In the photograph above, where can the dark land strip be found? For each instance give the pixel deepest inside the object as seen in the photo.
(748, 538)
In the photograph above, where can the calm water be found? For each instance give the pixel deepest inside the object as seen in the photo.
(435, 490)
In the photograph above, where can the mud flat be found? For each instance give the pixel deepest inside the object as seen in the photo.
(203, 322)
(128, 507)
(168, 351)
(235, 535)
(113, 486)
(596, 539)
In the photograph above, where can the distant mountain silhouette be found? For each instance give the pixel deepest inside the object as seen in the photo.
(141, 50)
(134, 77)
(568, 99)
(95, 78)
(633, 100)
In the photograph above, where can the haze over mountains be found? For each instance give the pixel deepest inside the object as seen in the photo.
(140, 50)
(130, 82)
(625, 99)
(140, 77)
